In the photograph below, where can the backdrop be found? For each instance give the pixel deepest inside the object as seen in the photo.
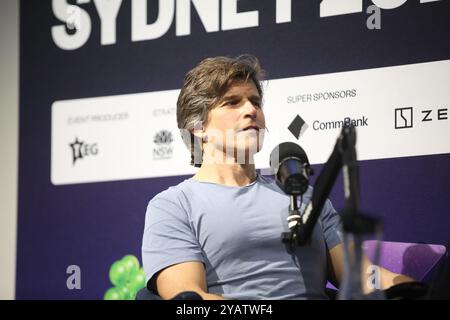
(98, 137)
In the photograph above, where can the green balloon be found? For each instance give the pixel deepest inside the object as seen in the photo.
(132, 292)
(131, 263)
(127, 292)
(138, 280)
(113, 294)
(118, 273)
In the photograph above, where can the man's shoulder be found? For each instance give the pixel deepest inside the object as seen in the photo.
(269, 182)
(174, 193)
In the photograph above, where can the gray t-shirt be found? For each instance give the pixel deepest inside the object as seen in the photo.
(235, 232)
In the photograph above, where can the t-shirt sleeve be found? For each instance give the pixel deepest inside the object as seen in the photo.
(331, 224)
(168, 235)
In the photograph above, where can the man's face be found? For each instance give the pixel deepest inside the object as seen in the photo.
(236, 124)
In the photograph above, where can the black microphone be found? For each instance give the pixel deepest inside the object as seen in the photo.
(290, 165)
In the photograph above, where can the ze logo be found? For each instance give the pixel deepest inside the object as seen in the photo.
(427, 115)
(404, 116)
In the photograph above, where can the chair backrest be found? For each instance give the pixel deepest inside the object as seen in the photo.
(416, 260)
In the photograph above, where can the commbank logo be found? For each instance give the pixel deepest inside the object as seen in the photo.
(319, 125)
(298, 126)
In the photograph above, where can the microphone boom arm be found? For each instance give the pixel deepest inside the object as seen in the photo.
(342, 157)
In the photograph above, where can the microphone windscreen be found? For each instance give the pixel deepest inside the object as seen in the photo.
(286, 150)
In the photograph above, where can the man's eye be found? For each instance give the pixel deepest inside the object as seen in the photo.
(232, 102)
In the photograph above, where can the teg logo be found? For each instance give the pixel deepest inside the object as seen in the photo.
(215, 15)
(81, 149)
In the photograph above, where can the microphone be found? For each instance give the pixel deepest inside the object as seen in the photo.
(290, 165)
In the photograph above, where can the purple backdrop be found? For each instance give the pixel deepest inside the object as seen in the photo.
(92, 225)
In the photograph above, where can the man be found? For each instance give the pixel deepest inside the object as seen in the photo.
(218, 233)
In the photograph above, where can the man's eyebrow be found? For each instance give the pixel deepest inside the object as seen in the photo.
(255, 97)
(235, 96)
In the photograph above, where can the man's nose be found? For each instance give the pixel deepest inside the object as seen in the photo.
(250, 109)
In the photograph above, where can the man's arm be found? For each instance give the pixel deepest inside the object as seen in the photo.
(336, 271)
(186, 276)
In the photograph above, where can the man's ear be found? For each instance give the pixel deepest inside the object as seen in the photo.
(199, 134)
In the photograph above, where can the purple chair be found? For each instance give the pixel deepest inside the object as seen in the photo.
(417, 260)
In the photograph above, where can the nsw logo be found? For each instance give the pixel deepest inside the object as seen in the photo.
(163, 145)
